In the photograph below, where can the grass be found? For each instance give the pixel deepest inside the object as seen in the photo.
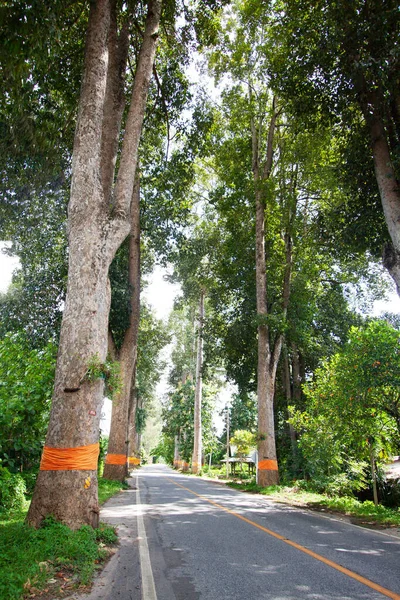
(53, 560)
(108, 488)
(365, 512)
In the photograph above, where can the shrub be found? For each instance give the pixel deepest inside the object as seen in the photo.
(30, 481)
(389, 492)
(12, 490)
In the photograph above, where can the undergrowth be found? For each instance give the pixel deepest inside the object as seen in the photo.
(53, 559)
(366, 511)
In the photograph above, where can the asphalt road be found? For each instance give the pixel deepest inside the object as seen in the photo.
(184, 538)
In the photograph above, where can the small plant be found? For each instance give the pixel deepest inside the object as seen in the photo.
(52, 560)
(109, 371)
(12, 490)
(108, 488)
(106, 535)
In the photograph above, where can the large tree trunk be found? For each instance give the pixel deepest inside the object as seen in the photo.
(197, 444)
(390, 196)
(67, 483)
(134, 280)
(267, 468)
(287, 385)
(133, 435)
(388, 184)
(123, 411)
(177, 457)
(267, 464)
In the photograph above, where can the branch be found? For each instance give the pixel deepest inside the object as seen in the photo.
(114, 103)
(254, 143)
(270, 141)
(129, 154)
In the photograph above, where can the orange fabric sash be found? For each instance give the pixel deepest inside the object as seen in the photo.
(116, 459)
(81, 458)
(267, 465)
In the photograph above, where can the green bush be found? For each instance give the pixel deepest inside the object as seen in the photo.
(12, 490)
(26, 387)
(30, 481)
(32, 560)
(389, 492)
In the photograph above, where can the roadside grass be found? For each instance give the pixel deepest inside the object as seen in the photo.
(108, 488)
(364, 512)
(53, 560)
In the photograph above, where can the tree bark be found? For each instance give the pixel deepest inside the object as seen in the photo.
(133, 128)
(388, 184)
(68, 491)
(123, 409)
(76, 407)
(267, 469)
(373, 474)
(269, 350)
(197, 444)
(177, 458)
(114, 102)
(134, 282)
(133, 435)
(289, 397)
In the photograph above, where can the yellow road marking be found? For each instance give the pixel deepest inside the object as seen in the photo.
(330, 563)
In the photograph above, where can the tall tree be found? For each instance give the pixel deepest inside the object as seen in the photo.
(98, 222)
(197, 458)
(340, 62)
(260, 113)
(124, 404)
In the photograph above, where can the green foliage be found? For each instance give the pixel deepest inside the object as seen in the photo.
(106, 534)
(352, 479)
(33, 303)
(26, 387)
(108, 488)
(103, 443)
(352, 408)
(242, 413)
(298, 495)
(30, 558)
(141, 416)
(335, 63)
(244, 441)
(29, 478)
(12, 490)
(178, 418)
(109, 371)
(153, 336)
(164, 449)
(300, 192)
